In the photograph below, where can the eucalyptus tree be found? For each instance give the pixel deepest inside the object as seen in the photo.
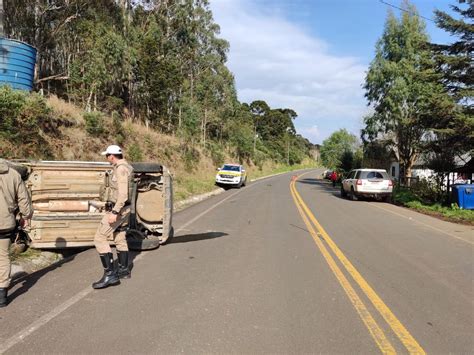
(400, 86)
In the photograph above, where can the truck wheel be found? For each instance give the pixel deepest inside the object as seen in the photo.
(136, 240)
(147, 167)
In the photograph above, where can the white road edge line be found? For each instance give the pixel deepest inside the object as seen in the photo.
(22, 334)
(422, 223)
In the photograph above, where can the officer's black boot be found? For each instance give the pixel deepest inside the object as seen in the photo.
(3, 296)
(123, 270)
(110, 276)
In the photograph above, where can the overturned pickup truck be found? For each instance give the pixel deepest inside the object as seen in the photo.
(69, 199)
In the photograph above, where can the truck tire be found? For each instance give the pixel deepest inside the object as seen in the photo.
(136, 240)
(170, 237)
(147, 167)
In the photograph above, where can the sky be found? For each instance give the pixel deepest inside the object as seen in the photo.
(310, 55)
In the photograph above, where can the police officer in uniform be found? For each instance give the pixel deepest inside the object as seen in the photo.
(13, 197)
(116, 216)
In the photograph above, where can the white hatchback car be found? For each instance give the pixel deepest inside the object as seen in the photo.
(367, 183)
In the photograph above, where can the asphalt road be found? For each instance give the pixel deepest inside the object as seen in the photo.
(269, 268)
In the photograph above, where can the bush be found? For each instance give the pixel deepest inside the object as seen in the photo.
(112, 104)
(216, 152)
(190, 157)
(403, 195)
(135, 153)
(11, 104)
(22, 115)
(95, 123)
(427, 191)
(23, 119)
(118, 130)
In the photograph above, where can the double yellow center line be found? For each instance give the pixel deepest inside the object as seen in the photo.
(318, 233)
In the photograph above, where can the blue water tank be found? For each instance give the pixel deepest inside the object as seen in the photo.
(17, 64)
(463, 195)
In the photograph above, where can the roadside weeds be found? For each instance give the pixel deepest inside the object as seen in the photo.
(408, 199)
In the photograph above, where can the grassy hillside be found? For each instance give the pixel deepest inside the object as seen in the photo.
(36, 128)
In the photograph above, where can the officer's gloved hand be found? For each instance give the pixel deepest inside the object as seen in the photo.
(112, 218)
(25, 223)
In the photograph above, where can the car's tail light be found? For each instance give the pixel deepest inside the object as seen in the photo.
(359, 182)
(390, 183)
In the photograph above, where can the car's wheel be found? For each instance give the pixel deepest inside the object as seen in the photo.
(343, 193)
(387, 198)
(244, 183)
(353, 195)
(136, 240)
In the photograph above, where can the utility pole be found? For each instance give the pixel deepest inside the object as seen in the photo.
(288, 146)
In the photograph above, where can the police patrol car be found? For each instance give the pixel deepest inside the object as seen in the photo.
(231, 175)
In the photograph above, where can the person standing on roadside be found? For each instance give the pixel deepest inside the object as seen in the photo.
(333, 178)
(117, 215)
(13, 198)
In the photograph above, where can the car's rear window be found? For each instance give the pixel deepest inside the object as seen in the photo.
(373, 175)
(231, 168)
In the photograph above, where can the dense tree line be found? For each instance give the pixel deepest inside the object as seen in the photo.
(421, 93)
(158, 61)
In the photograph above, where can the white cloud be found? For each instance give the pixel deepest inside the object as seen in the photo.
(277, 61)
(312, 133)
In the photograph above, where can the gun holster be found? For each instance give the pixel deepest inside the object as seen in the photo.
(109, 205)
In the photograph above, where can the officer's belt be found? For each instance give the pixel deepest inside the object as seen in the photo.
(109, 206)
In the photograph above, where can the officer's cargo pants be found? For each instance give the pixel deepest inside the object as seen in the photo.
(106, 230)
(4, 263)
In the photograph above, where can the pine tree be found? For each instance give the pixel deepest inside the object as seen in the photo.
(456, 59)
(452, 122)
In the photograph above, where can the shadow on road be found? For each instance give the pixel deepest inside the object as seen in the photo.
(324, 186)
(309, 181)
(29, 280)
(196, 237)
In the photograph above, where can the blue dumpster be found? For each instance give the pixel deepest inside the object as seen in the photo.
(463, 195)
